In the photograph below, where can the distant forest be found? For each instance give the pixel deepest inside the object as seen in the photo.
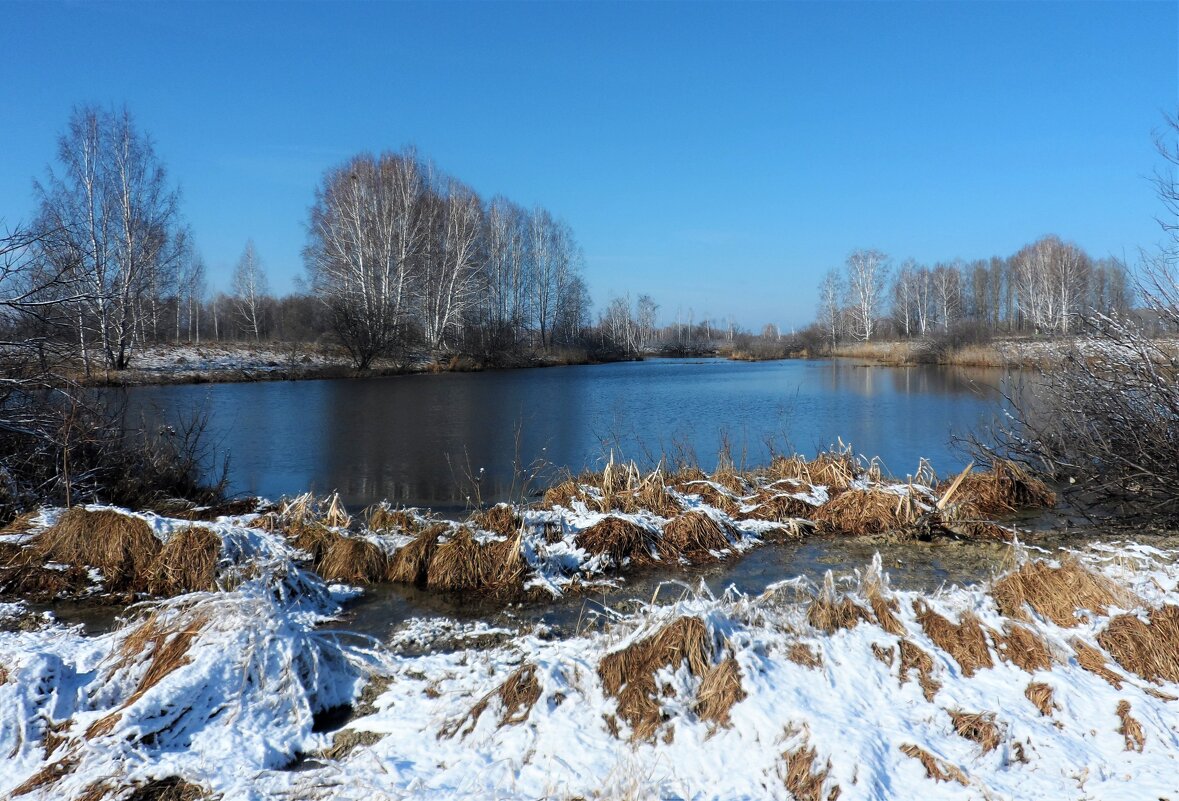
(402, 260)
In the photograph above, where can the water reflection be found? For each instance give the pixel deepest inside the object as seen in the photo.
(444, 440)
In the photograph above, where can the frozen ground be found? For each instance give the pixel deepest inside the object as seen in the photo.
(224, 689)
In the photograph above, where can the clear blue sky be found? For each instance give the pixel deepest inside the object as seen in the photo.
(717, 156)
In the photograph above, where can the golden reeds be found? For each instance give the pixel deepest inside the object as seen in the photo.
(937, 769)
(1042, 697)
(979, 727)
(383, 517)
(1149, 649)
(1023, 648)
(1131, 729)
(624, 541)
(628, 675)
(870, 511)
(1005, 488)
(122, 547)
(1092, 660)
(720, 689)
(915, 659)
(802, 654)
(964, 641)
(718, 498)
(803, 780)
(354, 560)
(1057, 593)
(696, 536)
(779, 507)
(500, 519)
(463, 563)
(829, 611)
(411, 562)
(517, 694)
(187, 563)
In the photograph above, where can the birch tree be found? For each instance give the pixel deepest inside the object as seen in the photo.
(249, 289)
(867, 276)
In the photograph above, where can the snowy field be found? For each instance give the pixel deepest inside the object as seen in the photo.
(1058, 681)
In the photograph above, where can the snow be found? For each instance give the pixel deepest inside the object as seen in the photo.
(239, 708)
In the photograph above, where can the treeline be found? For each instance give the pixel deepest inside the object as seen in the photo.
(1047, 287)
(400, 259)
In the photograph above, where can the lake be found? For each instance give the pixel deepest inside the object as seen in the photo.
(448, 440)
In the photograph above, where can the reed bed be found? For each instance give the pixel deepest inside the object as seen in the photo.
(697, 537)
(623, 541)
(1057, 593)
(121, 546)
(186, 563)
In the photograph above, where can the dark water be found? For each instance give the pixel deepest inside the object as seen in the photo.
(421, 440)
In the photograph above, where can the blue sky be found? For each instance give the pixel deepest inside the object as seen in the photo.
(718, 156)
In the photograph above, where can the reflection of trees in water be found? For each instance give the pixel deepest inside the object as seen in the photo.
(875, 380)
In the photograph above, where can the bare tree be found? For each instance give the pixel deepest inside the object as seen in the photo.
(867, 276)
(250, 289)
(831, 292)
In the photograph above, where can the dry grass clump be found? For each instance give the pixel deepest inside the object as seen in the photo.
(979, 727)
(47, 775)
(500, 519)
(937, 769)
(517, 695)
(167, 639)
(348, 740)
(870, 511)
(464, 563)
(21, 524)
(835, 470)
(619, 487)
(1149, 649)
(884, 609)
(1042, 697)
(804, 782)
(354, 560)
(187, 563)
(1057, 593)
(628, 675)
(779, 507)
(122, 547)
(383, 517)
(172, 788)
(964, 641)
(1023, 648)
(1092, 660)
(1005, 488)
(719, 690)
(829, 611)
(1131, 729)
(621, 539)
(802, 654)
(697, 536)
(915, 659)
(717, 498)
(25, 578)
(411, 562)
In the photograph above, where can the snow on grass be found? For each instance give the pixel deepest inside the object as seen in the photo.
(747, 702)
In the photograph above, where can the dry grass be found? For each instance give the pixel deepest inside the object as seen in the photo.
(835, 470)
(354, 560)
(1057, 593)
(1042, 697)
(722, 499)
(1149, 649)
(965, 641)
(830, 612)
(122, 547)
(26, 579)
(186, 563)
(464, 563)
(620, 487)
(310, 536)
(1004, 489)
(697, 536)
(719, 690)
(47, 775)
(884, 609)
(411, 562)
(872, 511)
(804, 782)
(21, 524)
(348, 740)
(980, 727)
(622, 540)
(1092, 660)
(915, 659)
(517, 695)
(937, 769)
(628, 675)
(1023, 648)
(168, 641)
(885, 654)
(383, 517)
(802, 654)
(500, 519)
(779, 507)
(1131, 729)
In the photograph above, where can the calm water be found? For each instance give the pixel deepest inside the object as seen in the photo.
(422, 440)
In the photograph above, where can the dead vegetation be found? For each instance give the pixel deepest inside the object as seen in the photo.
(1147, 648)
(345, 741)
(624, 541)
(628, 675)
(803, 654)
(121, 546)
(411, 562)
(1131, 729)
(354, 560)
(697, 536)
(1057, 593)
(1092, 660)
(186, 563)
(461, 562)
(385, 518)
(870, 511)
(719, 690)
(1022, 647)
(915, 659)
(830, 611)
(1001, 491)
(935, 768)
(979, 727)
(1042, 697)
(965, 641)
(803, 780)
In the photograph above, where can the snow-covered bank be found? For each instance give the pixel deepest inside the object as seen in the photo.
(1057, 681)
